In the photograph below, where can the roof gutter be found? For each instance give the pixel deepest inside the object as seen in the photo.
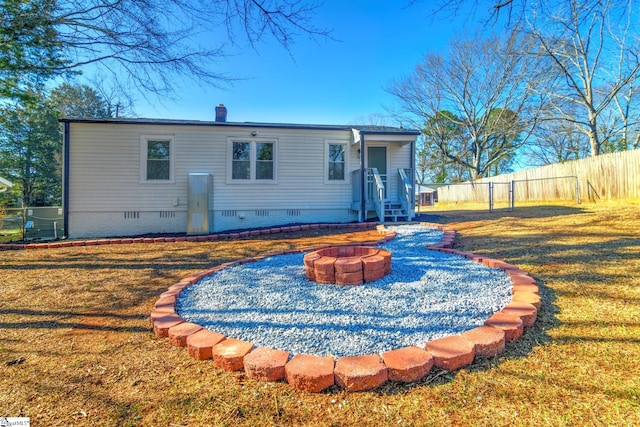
(170, 122)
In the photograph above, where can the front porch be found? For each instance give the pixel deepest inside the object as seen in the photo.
(388, 201)
(382, 186)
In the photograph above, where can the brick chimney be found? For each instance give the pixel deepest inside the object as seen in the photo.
(221, 113)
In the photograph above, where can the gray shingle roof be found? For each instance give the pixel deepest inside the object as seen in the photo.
(172, 122)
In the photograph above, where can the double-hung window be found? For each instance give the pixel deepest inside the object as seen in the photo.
(336, 161)
(156, 154)
(253, 161)
(241, 160)
(264, 160)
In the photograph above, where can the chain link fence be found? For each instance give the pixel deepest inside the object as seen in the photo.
(504, 195)
(29, 224)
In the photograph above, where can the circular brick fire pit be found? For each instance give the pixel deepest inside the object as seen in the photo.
(347, 265)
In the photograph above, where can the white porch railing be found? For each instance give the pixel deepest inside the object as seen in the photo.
(370, 182)
(405, 191)
(374, 194)
(378, 193)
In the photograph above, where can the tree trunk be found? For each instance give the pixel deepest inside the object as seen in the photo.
(27, 187)
(594, 140)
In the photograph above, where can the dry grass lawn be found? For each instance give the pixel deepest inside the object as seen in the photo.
(76, 347)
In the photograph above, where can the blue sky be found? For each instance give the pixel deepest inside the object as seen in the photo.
(321, 81)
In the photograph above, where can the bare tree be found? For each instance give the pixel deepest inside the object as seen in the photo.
(594, 54)
(629, 116)
(373, 119)
(488, 12)
(555, 141)
(512, 13)
(477, 104)
(146, 45)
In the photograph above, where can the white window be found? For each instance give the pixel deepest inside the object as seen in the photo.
(336, 161)
(241, 160)
(252, 161)
(156, 158)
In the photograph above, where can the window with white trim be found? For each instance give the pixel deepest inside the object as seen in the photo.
(335, 161)
(264, 160)
(241, 160)
(156, 158)
(252, 161)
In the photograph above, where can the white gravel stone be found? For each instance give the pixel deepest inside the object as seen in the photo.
(428, 295)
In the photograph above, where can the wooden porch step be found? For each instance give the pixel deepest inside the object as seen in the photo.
(394, 212)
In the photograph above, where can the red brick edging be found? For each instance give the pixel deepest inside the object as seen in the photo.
(200, 238)
(354, 373)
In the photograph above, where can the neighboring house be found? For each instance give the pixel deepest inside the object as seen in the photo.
(4, 185)
(140, 176)
(425, 195)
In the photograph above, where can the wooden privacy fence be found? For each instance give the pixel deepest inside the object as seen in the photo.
(613, 176)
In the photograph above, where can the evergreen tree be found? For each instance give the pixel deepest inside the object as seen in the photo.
(30, 150)
(31, 139)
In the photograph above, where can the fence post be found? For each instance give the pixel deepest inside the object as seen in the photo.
(577, 191)
(512, 194)
(490, 186)
(24, 223)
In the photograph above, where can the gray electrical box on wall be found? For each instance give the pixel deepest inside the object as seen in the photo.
(198, 203)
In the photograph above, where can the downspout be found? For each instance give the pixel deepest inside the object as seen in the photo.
(65, 178)
(363, 188)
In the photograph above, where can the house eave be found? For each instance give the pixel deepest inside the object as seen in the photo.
(400, 135)
(372, 132)
(174, 122)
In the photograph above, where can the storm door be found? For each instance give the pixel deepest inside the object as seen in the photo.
(377, 158)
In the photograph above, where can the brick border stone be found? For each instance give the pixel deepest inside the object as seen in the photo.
(451, 352)
(310, 373)
(314, 373)
(365, 372)
(357, 373)
(199, 344)
(357, 226)
(408, 364)
(229, 354)
(161, 325)
(488, 341)
(179, 333)
(266, 364)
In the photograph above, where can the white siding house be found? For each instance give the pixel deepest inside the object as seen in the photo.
(131, 176)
